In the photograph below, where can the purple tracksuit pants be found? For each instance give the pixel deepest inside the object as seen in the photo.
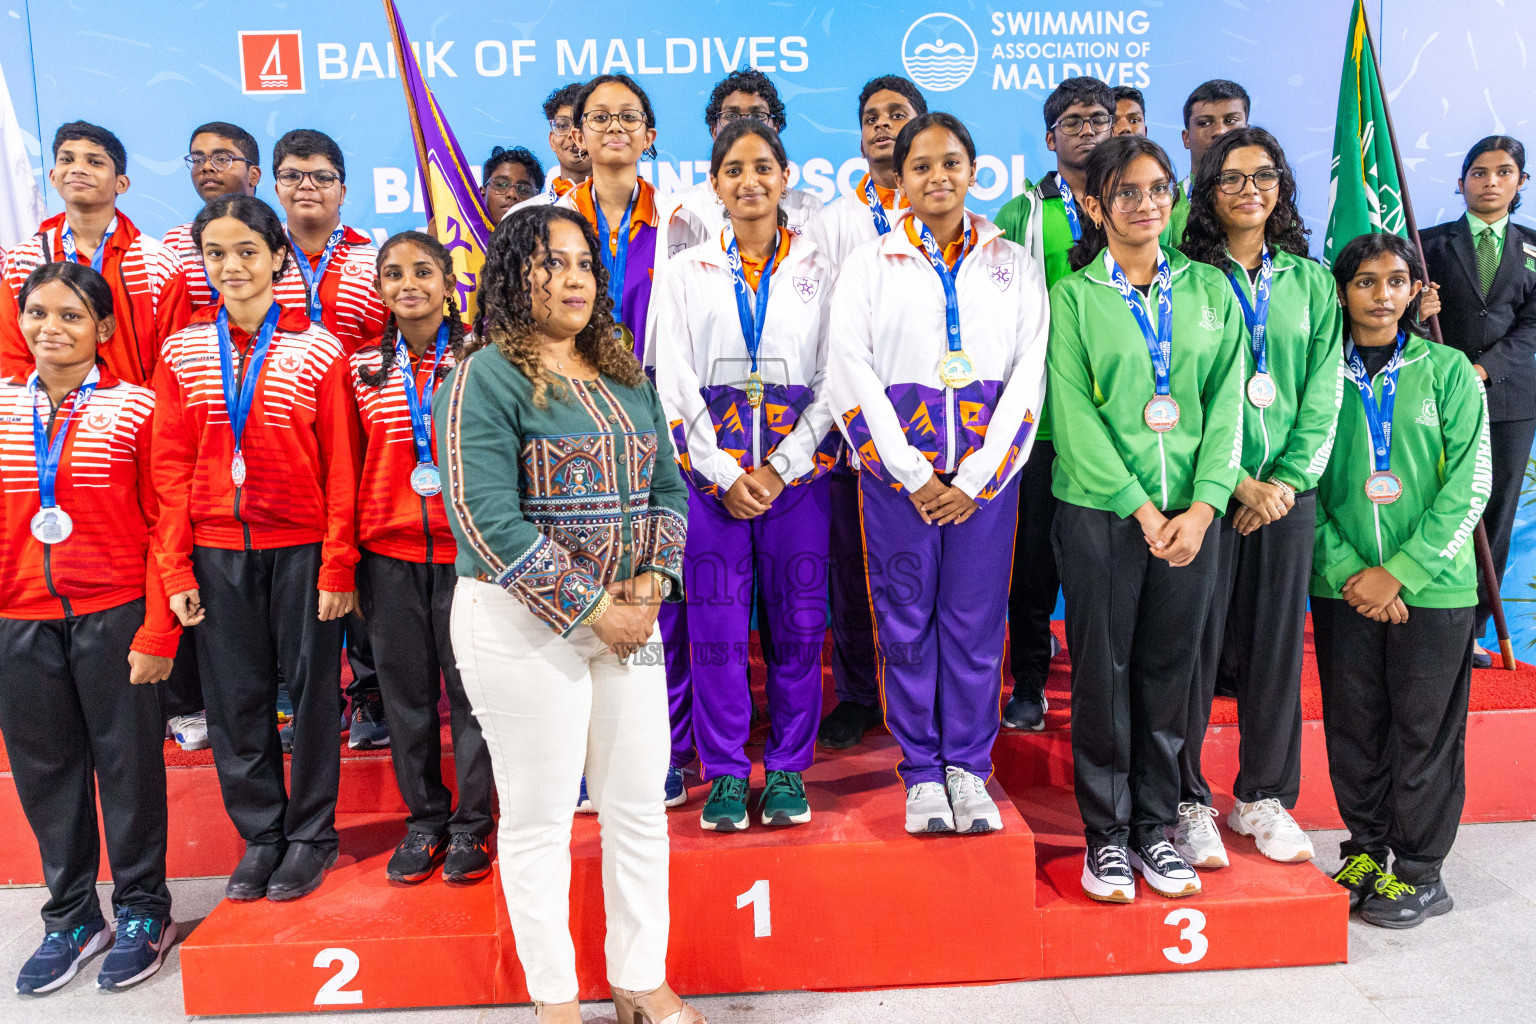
(940, 600)
(786, 549)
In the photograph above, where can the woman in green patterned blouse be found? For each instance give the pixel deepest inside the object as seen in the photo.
(569, 511)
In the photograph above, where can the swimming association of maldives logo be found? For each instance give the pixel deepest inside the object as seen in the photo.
(939, 52)
(271, 62)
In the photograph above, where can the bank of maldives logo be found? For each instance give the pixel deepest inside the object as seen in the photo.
(939, 52)
(271, 62)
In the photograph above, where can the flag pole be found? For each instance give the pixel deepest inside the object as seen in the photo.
(1480, 544)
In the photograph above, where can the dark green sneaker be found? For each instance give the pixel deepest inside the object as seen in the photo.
(1397, 904)
(783, 801)
(726, 808)
(1359, 875)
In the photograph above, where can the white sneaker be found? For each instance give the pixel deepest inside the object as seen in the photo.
(1107, 875)
(928, 809)
(975, 813)
(1272, 827)
(1196, 837)
(1165, 871)
(190, 731)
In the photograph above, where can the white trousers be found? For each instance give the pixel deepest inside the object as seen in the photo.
(550, 706)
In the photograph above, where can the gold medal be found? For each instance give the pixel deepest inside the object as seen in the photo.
(754, 389)
(956, 370)
(623, 333)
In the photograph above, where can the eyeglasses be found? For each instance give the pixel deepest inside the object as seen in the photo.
(220, 161)
(1073, 124)
(599, 120)
(730, 116)
(320, 179)
(1128, 199)
(1232, 182)
(502, 185)
(561, 125)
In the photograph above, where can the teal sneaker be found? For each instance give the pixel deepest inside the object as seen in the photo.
(726, 808)
(783, 801)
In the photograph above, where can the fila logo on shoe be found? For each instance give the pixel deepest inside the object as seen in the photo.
(1002, 275)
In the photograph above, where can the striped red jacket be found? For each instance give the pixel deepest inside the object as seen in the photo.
(179, 241)
(149, 296)
(104, 486)
(350, 307)
(301, 450)
(392, 519)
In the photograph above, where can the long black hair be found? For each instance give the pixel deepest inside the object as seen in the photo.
(254, 214)
(506, 303)
(1205, 240)
(1368, 247)
(1106, 169)
(1497, 143)
(88, 285)
(433, 248)
(733, 133)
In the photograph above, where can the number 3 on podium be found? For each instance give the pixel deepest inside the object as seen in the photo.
(762, 908)
(1191, 925)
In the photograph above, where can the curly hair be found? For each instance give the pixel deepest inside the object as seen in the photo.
(1205, 240)
(388, 343)
(752, 82)
(506, 304)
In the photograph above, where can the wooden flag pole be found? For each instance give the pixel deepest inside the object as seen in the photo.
(1483, 551)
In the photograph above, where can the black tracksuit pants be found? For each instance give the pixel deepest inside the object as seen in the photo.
(1133, 625)
(408, 606)
(1395, 718)
(853, 631)
(263, 617)
(1032, 596)
(72, 723)
(183, 691)
(1510, 442)
(1254, 638)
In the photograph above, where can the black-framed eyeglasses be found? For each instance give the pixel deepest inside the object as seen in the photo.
(1265, 179)
(1128, 198)
(221, 161)
(320, 179)
(501, 185)
(730, 116)
(599, 120)
(561, 125)
(1073, 124)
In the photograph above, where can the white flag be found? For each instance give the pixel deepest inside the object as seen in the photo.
(21, 203)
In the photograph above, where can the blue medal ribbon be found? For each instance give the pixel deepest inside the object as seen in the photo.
(1256, 314)
(240, 395)
(876, 207)
(419, 404)
(1074, 221)
(51, 455)
(1378, 417)
(751, 324)
(947, 279)
(71, 253)
(616, 262)
(314, 275)
(1159, 342)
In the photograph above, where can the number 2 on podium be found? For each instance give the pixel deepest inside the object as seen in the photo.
(332, 993)
(762, 908)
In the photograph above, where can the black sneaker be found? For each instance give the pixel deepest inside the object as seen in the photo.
(469, 858)
(417, 856)
(1107, 875)
(1481, 658)
(302, 871)
(1358, 876)
(1168, 874)
(1025, 712)
(140, 949)
(59, 958)
(845, 725)
(249, 879)
(369, 729)
(1396, 904)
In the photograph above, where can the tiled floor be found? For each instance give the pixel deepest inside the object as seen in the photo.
(1477, 964)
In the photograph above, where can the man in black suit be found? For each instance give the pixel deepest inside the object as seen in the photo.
(1485, 266)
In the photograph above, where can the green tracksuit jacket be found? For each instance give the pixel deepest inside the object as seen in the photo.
(1100, 379)
(1440, 450)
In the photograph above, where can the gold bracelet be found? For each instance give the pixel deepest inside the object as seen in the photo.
(598, 609)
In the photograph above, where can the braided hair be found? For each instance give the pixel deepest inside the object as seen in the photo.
(387, 345)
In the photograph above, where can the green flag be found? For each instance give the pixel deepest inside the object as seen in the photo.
(1364, 193)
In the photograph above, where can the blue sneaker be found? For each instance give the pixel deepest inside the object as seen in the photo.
(59, 958)
(583, 801)
(677, 793)
(142, 943)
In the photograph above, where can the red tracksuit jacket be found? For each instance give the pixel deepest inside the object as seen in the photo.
(104, 485)
(350, 307)
(149, 297)
(392, 519)
(301, 449)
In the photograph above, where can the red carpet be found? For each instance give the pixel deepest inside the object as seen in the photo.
(1492, 690)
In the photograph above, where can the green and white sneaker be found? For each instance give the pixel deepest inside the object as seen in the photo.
(783, 801)
(726, 808)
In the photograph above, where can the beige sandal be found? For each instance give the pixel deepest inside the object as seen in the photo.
(627, 1003)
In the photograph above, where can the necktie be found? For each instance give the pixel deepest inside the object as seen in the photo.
(1487, 257)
